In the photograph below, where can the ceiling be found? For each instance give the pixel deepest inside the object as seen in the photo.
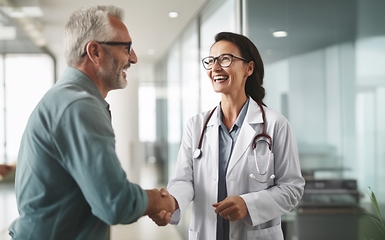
(147, 21)
(311, 24)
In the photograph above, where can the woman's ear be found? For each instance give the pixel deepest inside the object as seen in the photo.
(250, 68)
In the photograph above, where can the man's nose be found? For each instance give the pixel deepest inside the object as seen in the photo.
(133, 58)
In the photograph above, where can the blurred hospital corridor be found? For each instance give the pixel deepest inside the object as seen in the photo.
(323, 70)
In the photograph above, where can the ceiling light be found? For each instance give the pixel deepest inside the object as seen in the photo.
(280, 34)
(33, 11)
(173, 14)
(21, 12)
(7, 33)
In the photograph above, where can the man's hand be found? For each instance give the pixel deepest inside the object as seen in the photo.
(5, 169)
(163, 217)
(159, 201)
(231, 208)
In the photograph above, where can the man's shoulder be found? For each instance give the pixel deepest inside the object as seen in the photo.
(69, 91)
(73, 85)
(65, 97)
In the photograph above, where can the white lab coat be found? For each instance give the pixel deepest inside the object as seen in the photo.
(197, 179)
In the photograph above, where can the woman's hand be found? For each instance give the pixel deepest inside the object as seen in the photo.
(232, 208)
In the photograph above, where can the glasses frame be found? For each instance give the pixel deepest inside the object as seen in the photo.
(219, 62)
(112, 43)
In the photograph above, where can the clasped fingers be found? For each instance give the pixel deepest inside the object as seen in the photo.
(162, 218)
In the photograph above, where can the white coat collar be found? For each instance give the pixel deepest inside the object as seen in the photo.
(253, 115)
(245, 138)
(212, 133)
(247, 133)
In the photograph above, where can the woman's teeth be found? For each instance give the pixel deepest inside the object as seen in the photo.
(220, 78)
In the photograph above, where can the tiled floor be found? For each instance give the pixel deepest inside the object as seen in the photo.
(143, 229)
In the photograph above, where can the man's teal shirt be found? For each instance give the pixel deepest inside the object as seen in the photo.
(69, 181)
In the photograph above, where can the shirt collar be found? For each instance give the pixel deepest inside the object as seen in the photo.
(241, 117)
(75, 76)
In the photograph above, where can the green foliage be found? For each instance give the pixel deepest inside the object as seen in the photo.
(377, 219)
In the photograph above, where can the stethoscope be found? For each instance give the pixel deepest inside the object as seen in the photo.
(198, 152)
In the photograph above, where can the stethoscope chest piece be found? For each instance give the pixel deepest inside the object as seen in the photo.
(197, 153)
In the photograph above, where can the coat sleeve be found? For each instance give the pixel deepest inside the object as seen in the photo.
(182, 185)
(289, 184)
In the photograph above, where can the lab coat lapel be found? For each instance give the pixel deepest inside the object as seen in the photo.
(247, 133)
(212, 140)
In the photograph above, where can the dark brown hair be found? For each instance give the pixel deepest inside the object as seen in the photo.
(249, 51)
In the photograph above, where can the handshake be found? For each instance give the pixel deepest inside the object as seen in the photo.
(161, 205)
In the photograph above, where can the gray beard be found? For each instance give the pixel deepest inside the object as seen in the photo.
(111, 74)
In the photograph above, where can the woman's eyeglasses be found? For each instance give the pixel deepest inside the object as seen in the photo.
(224, 60)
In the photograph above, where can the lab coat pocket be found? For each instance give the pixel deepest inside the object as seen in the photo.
(259, 180)
(192, 235)
(271, 233)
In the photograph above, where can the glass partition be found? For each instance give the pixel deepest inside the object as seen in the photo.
(190, 73)
(26, 78)
(174, 110)
(3, 133)
(218, 17)
(326, 75)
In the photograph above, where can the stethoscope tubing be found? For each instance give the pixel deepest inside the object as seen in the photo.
(198, 152)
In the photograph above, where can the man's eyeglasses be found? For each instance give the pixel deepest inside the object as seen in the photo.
(127, 44)
(224, 60)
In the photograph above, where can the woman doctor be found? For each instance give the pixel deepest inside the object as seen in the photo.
(245, 173)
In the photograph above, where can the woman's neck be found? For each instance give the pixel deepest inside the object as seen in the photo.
(231, 107)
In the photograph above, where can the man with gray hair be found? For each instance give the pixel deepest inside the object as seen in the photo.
(69, 181)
